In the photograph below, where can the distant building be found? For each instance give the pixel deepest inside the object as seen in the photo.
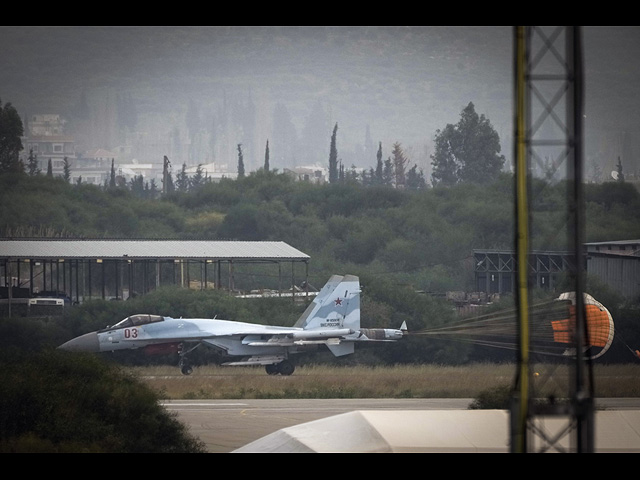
(45, 138)
(621, 247)
(93, 166)
(99, 157)
(210, 171)
(45, 125)
(313, 174)
(617, 264)
(130, 170)
(50, 147)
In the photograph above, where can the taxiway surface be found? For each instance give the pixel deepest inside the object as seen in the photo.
(226, 425)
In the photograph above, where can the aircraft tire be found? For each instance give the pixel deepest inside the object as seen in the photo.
(186, 369)
(285, 367)
(271, 369)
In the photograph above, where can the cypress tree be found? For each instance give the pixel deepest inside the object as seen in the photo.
(333, 158)
(379, 166)
(33, 164)
(182, 179)
(112, 177)
(240, 162)
(67, 170)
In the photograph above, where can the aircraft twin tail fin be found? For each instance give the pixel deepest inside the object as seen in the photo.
(337, 305)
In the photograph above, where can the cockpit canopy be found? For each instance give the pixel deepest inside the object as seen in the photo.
(138, 319)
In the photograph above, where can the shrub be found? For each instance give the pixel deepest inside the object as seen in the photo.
(56, 402)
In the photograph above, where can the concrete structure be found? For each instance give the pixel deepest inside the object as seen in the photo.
(440, 431)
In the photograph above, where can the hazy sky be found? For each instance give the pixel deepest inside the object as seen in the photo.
(400, 83)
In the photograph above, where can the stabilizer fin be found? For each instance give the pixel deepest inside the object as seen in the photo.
(336, 307)
(328, 288)
(344, 348)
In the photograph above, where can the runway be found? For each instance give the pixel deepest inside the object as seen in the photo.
(226, 425)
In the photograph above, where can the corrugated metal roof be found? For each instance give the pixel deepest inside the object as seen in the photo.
(65, 248)
(614, 242)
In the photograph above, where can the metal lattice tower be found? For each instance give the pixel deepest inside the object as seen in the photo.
(548, 136)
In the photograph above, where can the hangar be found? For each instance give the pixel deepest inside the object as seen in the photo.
(116, 269)
(616, 263)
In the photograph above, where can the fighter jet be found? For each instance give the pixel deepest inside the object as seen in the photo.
(331, 319)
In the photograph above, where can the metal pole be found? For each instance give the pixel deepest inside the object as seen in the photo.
(583, 400)
(520, 411)
(77, 281)
(31, 277)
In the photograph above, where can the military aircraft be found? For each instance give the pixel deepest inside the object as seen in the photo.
(331, 319)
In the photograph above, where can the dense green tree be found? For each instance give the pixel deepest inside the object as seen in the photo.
(333, 157)
(415, 179)
(446, 170)
(182, 179)
(351, 175)
(399, 165)
(609, 194)
(153, 189)
(379, 166)
(241, 223)
(167, 179)
(33, 168)
(467, 152)
(66, 170)
(112, 175)
(198, 179)
(387, 173)
(619, 171)
(11, 131)
(136, 185)
(366, 176)
(240, 162)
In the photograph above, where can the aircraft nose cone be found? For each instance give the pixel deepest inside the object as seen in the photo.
(84, 343)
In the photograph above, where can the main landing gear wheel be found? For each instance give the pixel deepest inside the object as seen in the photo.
(285, 367)
(185, 367)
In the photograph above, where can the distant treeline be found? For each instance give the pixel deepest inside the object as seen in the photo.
(419, 237)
